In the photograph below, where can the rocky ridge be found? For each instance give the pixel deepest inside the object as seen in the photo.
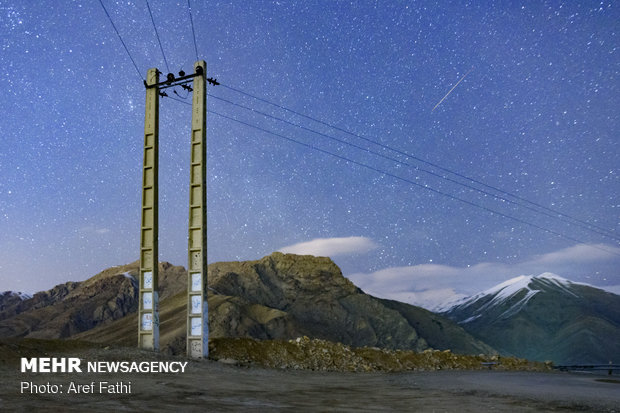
(284, 296)
(74, 307)
(278, 297)
(315, 299)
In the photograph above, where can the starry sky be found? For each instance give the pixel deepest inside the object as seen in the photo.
(401, 192)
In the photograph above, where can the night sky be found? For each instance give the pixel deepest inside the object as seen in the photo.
(535, 114)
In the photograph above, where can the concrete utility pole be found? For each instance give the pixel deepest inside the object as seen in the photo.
(197, 306)
(148, 315)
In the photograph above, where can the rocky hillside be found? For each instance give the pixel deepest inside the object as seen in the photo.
(545, 318)
(281, 296)
(11, 303)
(312, 298)
(73, 307)
(284, 296)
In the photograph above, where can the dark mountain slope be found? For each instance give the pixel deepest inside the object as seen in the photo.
(545, 318)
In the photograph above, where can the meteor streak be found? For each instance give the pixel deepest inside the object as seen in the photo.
(453, 87)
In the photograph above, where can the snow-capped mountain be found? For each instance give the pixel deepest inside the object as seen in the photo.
(511, 296)
(17, 294)
(11, 302)
(544, 317)
(8, 298)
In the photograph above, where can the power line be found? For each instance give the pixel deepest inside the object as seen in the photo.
(121, 39)
(409, 181)
(417, 168)
(191, 20)
(383, 172)
(179, 100)
(157, 35)
(575, 221)
(590, 226)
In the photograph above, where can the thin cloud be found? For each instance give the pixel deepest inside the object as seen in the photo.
(329, 247)
(580, 253)
(431, 285)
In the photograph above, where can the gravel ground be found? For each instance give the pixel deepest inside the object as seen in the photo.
(215, 386)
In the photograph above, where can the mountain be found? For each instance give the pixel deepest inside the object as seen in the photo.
(281, 296)
(321, 303)
(11, 303)
(73, 307)
(544, 317)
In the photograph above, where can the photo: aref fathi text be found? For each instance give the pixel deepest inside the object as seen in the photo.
(101, 387)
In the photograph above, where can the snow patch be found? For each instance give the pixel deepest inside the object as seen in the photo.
(508, 288)
(500, 294)
(24, 296)
(520, 304)
(446, 306)
(472, 318)
(556, 281)
(126, 274)
(505, 291)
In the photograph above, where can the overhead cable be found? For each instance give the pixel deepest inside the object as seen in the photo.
(191, 21)
(606, 232)
(121, 39)
(415, 167)
(157, 35)
(409, 181)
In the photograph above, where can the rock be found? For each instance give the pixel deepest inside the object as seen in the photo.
(323, 355)
(228, 361)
